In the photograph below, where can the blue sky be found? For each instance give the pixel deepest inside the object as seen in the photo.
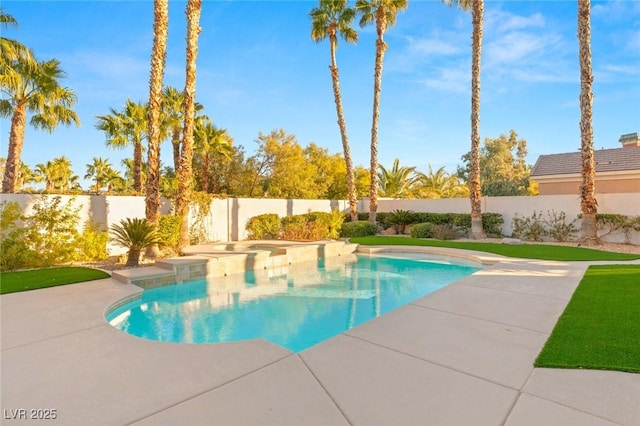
(258, 70)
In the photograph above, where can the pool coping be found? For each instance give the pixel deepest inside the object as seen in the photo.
(430, 362)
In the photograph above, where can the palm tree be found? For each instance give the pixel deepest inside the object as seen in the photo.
(588, 203)
(10, 49)
(158, 56)
(330, 19)
(57, 175)
(208, 140)
(185, 172)
(33, 87)
(125, 128)
(475, 191)
(439, 184)
(397, 182)
(173, 115)
(101, 172)
(383, 13)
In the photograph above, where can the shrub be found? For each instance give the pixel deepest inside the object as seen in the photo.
(134, 234)
(492, 224)
(93, 242)
(264, 226)
(618, 222)
(332, 222)
(399, 219)
(312, 226)
(529, 228)
(169, 230)
(422, 230)
(445, 232)
(558, 228)
(48, 236)
(361, 228)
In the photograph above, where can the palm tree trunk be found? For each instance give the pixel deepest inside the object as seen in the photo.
(351, 184)
(475, 191)
(16, 141)
(175, 143)
(381, 46)
(158, 55)
(588, 204)
(137, 166)
(185, 171)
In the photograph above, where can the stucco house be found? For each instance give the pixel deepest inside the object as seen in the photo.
(617, 170)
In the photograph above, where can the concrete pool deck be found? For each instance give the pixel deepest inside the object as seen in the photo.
(460, 356)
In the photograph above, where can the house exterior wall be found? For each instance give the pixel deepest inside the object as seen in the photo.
(603, 186)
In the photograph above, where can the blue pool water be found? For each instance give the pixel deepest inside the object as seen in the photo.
(298, 308)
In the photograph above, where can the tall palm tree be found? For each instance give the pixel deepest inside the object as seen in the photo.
(125, 128)
(33, 88)
(173, 115)
(101, 172)
(158, 56)
(208, 140)
(475, 191)
(57, 175)
(383, 13)
(396, 182)
(330, 19)
(588, 203)
(185, 172)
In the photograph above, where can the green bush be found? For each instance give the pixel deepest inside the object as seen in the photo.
(492, 224)
(169, 230)
(332, 221)
(558, 228)
(312, 226)
(263, 226)
(47, 237)
(361, 228)
(93, 243)
(422, 230)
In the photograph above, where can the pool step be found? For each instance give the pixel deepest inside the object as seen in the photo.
(146, 277)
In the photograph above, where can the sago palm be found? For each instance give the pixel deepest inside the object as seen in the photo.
(383, 14)
(33, 87)
(135, 234)
(332, 18)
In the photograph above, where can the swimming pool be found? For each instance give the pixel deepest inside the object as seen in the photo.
(295, 307)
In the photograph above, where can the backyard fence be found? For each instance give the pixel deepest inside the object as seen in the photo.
(226, 218)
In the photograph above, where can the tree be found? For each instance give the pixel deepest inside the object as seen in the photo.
(398, 181)
(185, 173)
(588, 203)
(209, 140)
(503, 166)
(383, 13)
(330, 19)
(158, 56)
(439, 184)
(32, 87)
(10, 49)
(475, 190)
(124, 129)
(102, 173)
(57, 175)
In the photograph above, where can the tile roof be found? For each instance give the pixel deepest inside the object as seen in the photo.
(607, 160)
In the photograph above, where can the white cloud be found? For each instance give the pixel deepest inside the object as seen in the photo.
(501, 21)
(456, 79)
(433, 47)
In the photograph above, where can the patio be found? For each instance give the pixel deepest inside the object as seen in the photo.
(462, 355)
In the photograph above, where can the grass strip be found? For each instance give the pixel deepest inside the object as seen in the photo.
(11, 282)
(525, 251)
(600, 327)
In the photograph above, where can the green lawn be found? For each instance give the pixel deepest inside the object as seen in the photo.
(600, 327)
(526, 251)
(11, 282)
